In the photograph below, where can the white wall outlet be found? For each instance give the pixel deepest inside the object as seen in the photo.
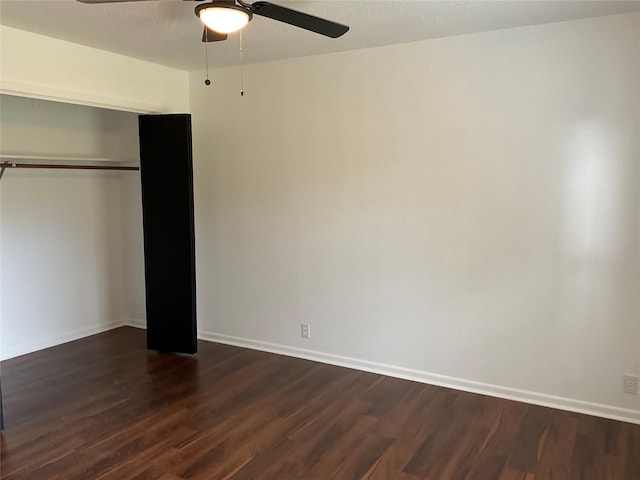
(305, 330)
(631, 384)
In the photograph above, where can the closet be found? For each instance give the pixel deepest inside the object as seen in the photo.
(71, 239)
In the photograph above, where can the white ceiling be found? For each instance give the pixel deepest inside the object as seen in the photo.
(168, 32)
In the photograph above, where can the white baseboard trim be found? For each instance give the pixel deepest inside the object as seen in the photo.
(552, 401)
(135, 322)
(562, 403)
(69, 336)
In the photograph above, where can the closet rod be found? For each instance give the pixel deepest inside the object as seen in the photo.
(5, 165)
(66, 167)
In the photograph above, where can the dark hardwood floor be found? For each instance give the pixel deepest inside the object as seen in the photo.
(105, 408)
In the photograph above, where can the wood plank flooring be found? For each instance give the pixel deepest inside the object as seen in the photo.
(105, 408)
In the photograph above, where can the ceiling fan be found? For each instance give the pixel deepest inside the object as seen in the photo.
(222, 17)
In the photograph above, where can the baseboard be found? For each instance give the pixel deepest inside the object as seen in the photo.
(69, 336)
(135, 322)
(562, 403)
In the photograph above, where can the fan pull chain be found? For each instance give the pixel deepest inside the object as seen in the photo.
(207, 82)
(241, 67)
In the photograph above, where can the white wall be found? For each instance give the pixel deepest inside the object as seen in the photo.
(32, 127)
(42, 67)
(69, 240)
(463, 211)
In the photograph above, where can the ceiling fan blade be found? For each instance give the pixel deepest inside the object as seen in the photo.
(299, 19)
(212, 36)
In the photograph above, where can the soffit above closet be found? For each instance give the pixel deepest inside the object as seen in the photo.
(167, 32)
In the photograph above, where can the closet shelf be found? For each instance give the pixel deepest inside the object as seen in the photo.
(70, 160)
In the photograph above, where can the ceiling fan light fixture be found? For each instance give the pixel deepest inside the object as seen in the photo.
(223, 17)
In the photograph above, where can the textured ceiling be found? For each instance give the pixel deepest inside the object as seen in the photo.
(168, 32)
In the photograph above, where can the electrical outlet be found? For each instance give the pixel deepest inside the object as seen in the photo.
(305, 330)
(631, 384)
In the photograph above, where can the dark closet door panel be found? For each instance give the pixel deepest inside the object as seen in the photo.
(169, 246)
